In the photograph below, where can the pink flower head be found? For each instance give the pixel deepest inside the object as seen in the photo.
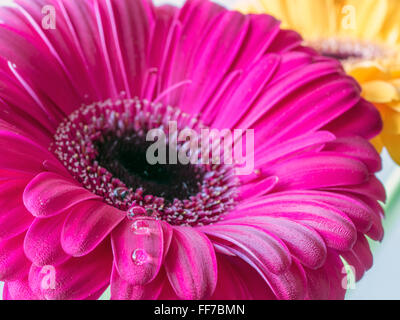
(81, 209)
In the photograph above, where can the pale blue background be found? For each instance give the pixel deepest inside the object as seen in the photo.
(383, 281)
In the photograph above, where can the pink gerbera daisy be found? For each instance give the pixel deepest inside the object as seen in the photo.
(79, 199)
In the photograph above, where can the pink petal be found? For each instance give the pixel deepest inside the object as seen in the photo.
(270, 154)
(56, 167)
(357, 148)
(42, 243)
(336, 228)
(253, 190)
(6, 293)
(362, 120)
(21, 104)
(209, 57)
(248, 87)
(191, 264)
(96, 295)
(283, 110)
(317, 284)
(355, 264)
(360, 257)
(14, 218)
(11, 120)
(289, 285)
(123, 290)
(372, 188)
(336, 275)
(285, 41)
(304, 243)
(75, 279)
(49, 194)
(262, 32)
(363, 251)
(376, 231)
(23, 155)
(124, 60)
(19, 290)
(256, 286)
(231, 284)
(195, 26)
(355, 209)
(265, 250)
(293, 60)
(47, 87)
(13, 263)
(318, 171)
(88, 224)
(168, 293)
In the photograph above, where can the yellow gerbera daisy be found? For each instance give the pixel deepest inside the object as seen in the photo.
(364, 35)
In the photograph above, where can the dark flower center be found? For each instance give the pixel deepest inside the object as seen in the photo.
(125, 159)
(104, 146)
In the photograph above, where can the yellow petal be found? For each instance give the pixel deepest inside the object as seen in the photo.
(315, 19)
(391, 27)
(250, 7)
(377, 143)
(279, 9)
(393, 105)
(370, 17)
(367, 71)
(391, 120)
(392, 144)
(380, 92)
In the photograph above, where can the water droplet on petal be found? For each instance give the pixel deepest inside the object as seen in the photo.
(140, 257)
(135, 211)
(141, 227)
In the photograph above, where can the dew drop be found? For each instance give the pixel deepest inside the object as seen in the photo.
(135, 211)
(141, 227)
(140, 257)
